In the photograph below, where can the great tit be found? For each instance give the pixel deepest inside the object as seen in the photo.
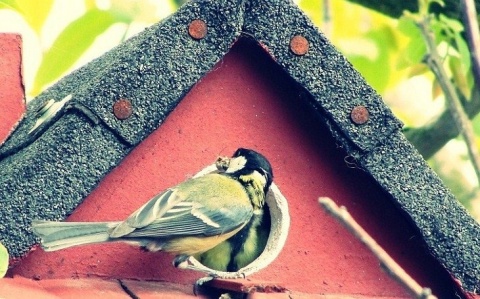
(220, 218)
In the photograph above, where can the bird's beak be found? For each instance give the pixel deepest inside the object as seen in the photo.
(222, 163)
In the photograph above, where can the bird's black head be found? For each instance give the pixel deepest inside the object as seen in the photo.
(246, 161)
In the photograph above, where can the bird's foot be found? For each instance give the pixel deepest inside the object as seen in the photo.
(181, 261)
(188, 262)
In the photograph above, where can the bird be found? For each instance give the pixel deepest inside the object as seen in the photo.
(220, 218)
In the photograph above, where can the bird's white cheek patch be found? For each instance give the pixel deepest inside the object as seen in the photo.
(236, 164)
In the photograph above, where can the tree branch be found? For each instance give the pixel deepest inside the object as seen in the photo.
(455, 106)
(388, 264)
(432, 137)
(472, 33)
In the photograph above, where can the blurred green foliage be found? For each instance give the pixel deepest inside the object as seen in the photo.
(374, 44)
(79, 35)
(370, 41)
(74, 40)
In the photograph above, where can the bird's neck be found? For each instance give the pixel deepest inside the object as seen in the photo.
(254, 183)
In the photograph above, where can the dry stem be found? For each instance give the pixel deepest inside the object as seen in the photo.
(434, 62)
(387, 263)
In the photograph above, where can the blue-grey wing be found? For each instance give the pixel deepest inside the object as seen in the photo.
(146, 214)
(174, 213)
(197, 220)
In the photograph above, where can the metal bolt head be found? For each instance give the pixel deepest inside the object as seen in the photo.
(299, 45)
(197, 29)
(122, 109)
(359, 115)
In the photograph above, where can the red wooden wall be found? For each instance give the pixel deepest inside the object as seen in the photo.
(12, 104)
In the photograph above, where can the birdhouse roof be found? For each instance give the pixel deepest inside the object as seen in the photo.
(129, 91)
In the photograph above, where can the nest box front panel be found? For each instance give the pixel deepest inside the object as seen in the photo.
(12, 105)
(248, 101)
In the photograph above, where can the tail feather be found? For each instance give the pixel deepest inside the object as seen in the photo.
(60, 235)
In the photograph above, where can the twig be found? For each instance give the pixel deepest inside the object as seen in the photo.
(455, 107)
(387, 263)
(472, 32)
(430, 138)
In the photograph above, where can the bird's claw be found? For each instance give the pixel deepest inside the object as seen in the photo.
(181, 261)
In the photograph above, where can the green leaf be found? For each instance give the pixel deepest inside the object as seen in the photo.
(72, 42)
(476, 125)
(416, 48)
(463, 50)
(418, 69)
(407, 26)
(453, 24)
(439, 2)
(377, 48)
(424, 5)
(460, 76)
(3, 260)
(9, 4)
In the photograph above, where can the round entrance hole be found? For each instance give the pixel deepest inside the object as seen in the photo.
(280, 223)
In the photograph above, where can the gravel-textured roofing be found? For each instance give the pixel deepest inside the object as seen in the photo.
(158, 67)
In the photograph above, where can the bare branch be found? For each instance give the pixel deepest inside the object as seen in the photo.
(387, 263)
(434, 61)
(472, 32)
(430, 138)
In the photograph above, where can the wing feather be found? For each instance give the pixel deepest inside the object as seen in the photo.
(184, 211)
(153, 209)
(194, 223)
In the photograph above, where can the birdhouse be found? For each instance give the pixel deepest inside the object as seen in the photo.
(213, 77)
